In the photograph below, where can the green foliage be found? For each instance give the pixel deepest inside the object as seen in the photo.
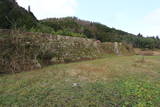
(100, 32)
(5, 8)
(13, 16)
(42, 29)
(139, 92)
(21, 18)
(68, 33)
(146, 42)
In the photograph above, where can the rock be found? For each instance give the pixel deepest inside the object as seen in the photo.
(53, 60)
(38, 66)
(116, 48)
(75, 85)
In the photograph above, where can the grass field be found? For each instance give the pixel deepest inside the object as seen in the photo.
(114, 81)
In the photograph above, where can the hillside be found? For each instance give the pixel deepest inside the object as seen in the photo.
(90, 29)
(12, 16)
(99, 31)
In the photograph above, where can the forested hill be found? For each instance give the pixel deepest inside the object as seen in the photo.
(90, 29)
(71, 25)
(14, 16)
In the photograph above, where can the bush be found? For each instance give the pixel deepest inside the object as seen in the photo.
(18, 53)
(42, 28)
(68, 33)
(14, 16)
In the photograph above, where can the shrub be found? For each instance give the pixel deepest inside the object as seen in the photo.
(68, 33)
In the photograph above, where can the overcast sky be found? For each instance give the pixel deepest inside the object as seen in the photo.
(133, 16)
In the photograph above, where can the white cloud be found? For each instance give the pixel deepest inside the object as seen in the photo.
(50, 8)
(151, 23)
(153, 18)
(148, 25)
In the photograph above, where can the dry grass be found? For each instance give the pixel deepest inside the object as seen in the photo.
(147, 52)
(110, 82)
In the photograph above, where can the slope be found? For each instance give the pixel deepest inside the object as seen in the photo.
(70, 25)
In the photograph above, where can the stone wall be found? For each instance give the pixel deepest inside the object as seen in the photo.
(27, 51)
(116, 48)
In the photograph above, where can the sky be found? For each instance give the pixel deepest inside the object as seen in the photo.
(133, 16)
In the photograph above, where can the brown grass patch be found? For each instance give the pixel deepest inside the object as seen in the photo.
(147, 52)
(91, 68)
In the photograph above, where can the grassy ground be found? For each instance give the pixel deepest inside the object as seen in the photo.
(115, 81)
